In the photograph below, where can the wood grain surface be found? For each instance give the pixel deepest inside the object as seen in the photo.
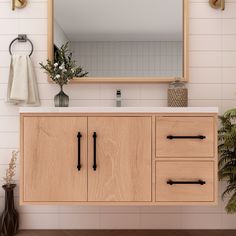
(50, 157)
(123, 159)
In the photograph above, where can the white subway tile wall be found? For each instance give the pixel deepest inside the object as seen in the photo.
(212, 83)
(112, 59)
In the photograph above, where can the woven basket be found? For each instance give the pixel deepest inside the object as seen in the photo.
(177, 97)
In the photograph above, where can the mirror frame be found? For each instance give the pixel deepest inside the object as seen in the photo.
(185, 77)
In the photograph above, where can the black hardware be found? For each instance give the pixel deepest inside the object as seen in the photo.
(22, 38)
(118, 92)
(171, 182)
(79, 150)
(94, 151)
(186, 137)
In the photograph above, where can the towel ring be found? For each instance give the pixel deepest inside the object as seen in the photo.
(22, 38)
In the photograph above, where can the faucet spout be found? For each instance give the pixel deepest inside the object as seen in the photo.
(118, 97)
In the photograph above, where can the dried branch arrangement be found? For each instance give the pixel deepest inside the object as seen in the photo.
(10, 172)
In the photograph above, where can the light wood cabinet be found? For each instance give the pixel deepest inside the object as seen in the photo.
(50, 159)
(123, 171)
(188, 181)
(121, 158)
(52, 153)
(185, 137)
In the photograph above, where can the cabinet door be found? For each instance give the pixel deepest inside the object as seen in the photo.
(50, 158)
(123, 156)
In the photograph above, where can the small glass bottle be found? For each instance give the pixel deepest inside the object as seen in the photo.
(177, 94)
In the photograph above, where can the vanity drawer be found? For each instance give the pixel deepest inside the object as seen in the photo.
(185, 136)
(185, 181)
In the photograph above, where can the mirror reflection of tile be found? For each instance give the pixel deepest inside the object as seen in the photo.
(130, 58)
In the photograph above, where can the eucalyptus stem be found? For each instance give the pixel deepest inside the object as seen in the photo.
(63, 69)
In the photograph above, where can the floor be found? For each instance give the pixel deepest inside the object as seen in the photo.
(130, 233)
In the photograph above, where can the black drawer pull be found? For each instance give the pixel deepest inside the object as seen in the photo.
(94, 151)
(79, 150)
(172, 182)
(186, 137)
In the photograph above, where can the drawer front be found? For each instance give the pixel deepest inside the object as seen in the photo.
(185, 137)
(185, 181)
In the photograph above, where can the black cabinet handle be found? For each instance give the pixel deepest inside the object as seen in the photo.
(172, 182)
(79, 150)
(186, 137)
(94, 151)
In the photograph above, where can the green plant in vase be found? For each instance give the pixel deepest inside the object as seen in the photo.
(227, 158)
(62, 70)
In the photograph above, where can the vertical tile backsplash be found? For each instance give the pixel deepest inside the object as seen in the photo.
(111, 59)
(212, 83)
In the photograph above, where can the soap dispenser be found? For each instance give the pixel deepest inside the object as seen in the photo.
(177, 94)
(118, 97)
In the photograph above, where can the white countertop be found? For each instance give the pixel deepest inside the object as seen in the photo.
(119, 110)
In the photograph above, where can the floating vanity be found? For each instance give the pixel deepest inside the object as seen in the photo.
(119, 156)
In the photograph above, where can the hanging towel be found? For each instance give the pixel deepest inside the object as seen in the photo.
(22, 84)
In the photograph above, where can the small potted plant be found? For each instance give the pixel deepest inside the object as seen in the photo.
(10, 217)
(227, 155)
(62, 71)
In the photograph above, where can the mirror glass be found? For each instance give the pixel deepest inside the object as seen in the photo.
(123, 38)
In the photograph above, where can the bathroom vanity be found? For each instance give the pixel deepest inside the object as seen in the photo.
(119, 156)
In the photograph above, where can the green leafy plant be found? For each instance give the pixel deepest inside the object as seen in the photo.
(63, 69)
(227, 154)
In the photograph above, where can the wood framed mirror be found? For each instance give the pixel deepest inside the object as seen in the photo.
(122, 41)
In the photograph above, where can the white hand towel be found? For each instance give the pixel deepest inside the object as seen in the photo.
(22, 84)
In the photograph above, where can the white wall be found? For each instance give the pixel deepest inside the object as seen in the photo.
(59, 35)
(212, 83)
(94, 22)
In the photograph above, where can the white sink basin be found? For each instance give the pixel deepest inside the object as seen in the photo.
(119, 110)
